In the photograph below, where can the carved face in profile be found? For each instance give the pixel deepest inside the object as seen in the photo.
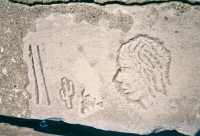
(143, 68)
(130, 83)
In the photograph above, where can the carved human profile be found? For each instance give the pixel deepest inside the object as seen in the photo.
(144, 65)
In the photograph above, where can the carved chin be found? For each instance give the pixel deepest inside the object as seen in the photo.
(133, 96)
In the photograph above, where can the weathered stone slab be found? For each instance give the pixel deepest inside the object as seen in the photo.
(121, 68)
(147, 75)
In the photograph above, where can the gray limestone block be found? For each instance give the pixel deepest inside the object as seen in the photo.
(129, 69)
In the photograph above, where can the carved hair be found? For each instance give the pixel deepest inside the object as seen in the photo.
(149, 58)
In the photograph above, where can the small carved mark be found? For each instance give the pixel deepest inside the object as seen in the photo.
(37, 67)
(34, 74)
(80, 49)
(88, 103)
(43, 77)
(100, 104)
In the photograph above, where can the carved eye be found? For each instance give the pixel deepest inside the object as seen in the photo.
(127, 70)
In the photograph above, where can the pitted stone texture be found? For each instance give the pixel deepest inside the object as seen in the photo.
(100, 1)
(39, 1)
(139, 1)
(8, 130)
(14, 98)
(129, 1)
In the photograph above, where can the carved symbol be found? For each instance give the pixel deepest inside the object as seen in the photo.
(67, 92)
(89, 103)
(144, 65)
(34, 73)
(38, 76)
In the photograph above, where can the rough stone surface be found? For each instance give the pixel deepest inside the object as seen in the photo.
(139, 1)
(8, 130)
(98, 1)
(38, 1)
(121, 68)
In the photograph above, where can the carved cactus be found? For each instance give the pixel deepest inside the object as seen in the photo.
(67, 92)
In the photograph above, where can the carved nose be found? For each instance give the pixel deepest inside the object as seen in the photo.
(118, 77)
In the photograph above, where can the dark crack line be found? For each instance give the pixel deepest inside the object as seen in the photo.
(106, 3)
